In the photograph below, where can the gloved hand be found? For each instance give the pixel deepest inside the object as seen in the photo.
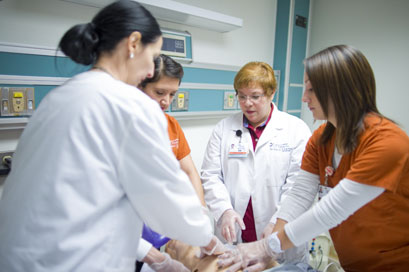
(268, 230)
(168, 265)
(228, 222)
(215, 247)
(253, 256)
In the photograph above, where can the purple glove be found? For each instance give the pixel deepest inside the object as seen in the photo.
(156, 239)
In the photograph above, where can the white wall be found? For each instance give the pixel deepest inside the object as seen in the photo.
(40, 22)
(380, 29)
(253, 42)
(43, 22)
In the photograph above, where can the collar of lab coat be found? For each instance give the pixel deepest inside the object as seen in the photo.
(273, 128)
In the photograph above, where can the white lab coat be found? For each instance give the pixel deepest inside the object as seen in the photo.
(92, 165)
(264, 174)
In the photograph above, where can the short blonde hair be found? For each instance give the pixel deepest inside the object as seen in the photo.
(256, 74)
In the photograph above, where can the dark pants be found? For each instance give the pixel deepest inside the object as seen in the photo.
(138, 266)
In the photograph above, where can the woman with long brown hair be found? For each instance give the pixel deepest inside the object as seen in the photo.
(357, 163)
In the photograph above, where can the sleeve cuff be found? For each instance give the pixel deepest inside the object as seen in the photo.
(143, 249)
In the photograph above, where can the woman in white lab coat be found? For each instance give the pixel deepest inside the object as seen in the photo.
(94, 161)
(252, 159)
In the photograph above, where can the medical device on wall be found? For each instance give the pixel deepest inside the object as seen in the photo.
(177, 44)
(17, 101)
(181, 101)
(230, 100)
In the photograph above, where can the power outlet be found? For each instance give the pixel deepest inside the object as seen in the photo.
(181, 101)
(16, 101)
(230, 101)
(5, 162)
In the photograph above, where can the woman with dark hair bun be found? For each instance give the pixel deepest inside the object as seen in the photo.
(94, 162)
(358, 165)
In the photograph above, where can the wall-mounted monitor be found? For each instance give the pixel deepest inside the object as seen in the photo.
(177, 45)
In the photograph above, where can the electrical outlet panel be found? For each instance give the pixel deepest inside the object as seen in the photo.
(5, 162)
(181, 101)
(230, 101)
(17, 101)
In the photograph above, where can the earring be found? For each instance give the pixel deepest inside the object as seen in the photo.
(131, 55)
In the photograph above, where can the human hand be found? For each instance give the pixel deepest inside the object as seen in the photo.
(168, 265)
(268, 230)
(215, 247)
(253, 256)
(228, 222)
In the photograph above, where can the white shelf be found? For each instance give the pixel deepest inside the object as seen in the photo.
(172, 11)
(16, 123)
(175, 12)
(13, 123)
(200, 115)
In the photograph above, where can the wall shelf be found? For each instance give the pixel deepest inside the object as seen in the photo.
(200, 115)
(14, 123)
(17, 123)
(175, 12)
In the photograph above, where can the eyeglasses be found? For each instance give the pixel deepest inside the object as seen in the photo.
(253, 98)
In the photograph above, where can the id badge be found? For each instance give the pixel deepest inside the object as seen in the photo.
(238, 150)
(322, 191)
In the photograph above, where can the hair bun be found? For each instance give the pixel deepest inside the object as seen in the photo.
(84, 43)
(90, 33)
(80, 43)
(91, 26)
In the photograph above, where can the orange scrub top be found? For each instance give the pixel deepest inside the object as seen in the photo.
(178, 142)
(375, 237)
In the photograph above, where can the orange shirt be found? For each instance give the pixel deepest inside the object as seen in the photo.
(178, 142)
(376, 237)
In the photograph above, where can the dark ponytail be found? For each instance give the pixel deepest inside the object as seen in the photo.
(84, 43)
(79, 43)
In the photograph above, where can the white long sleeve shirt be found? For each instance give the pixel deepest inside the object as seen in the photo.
(342, 201)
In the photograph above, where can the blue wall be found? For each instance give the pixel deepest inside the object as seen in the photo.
(17, 64)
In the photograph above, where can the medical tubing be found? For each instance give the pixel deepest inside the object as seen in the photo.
(342, 201)
(329, 265)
